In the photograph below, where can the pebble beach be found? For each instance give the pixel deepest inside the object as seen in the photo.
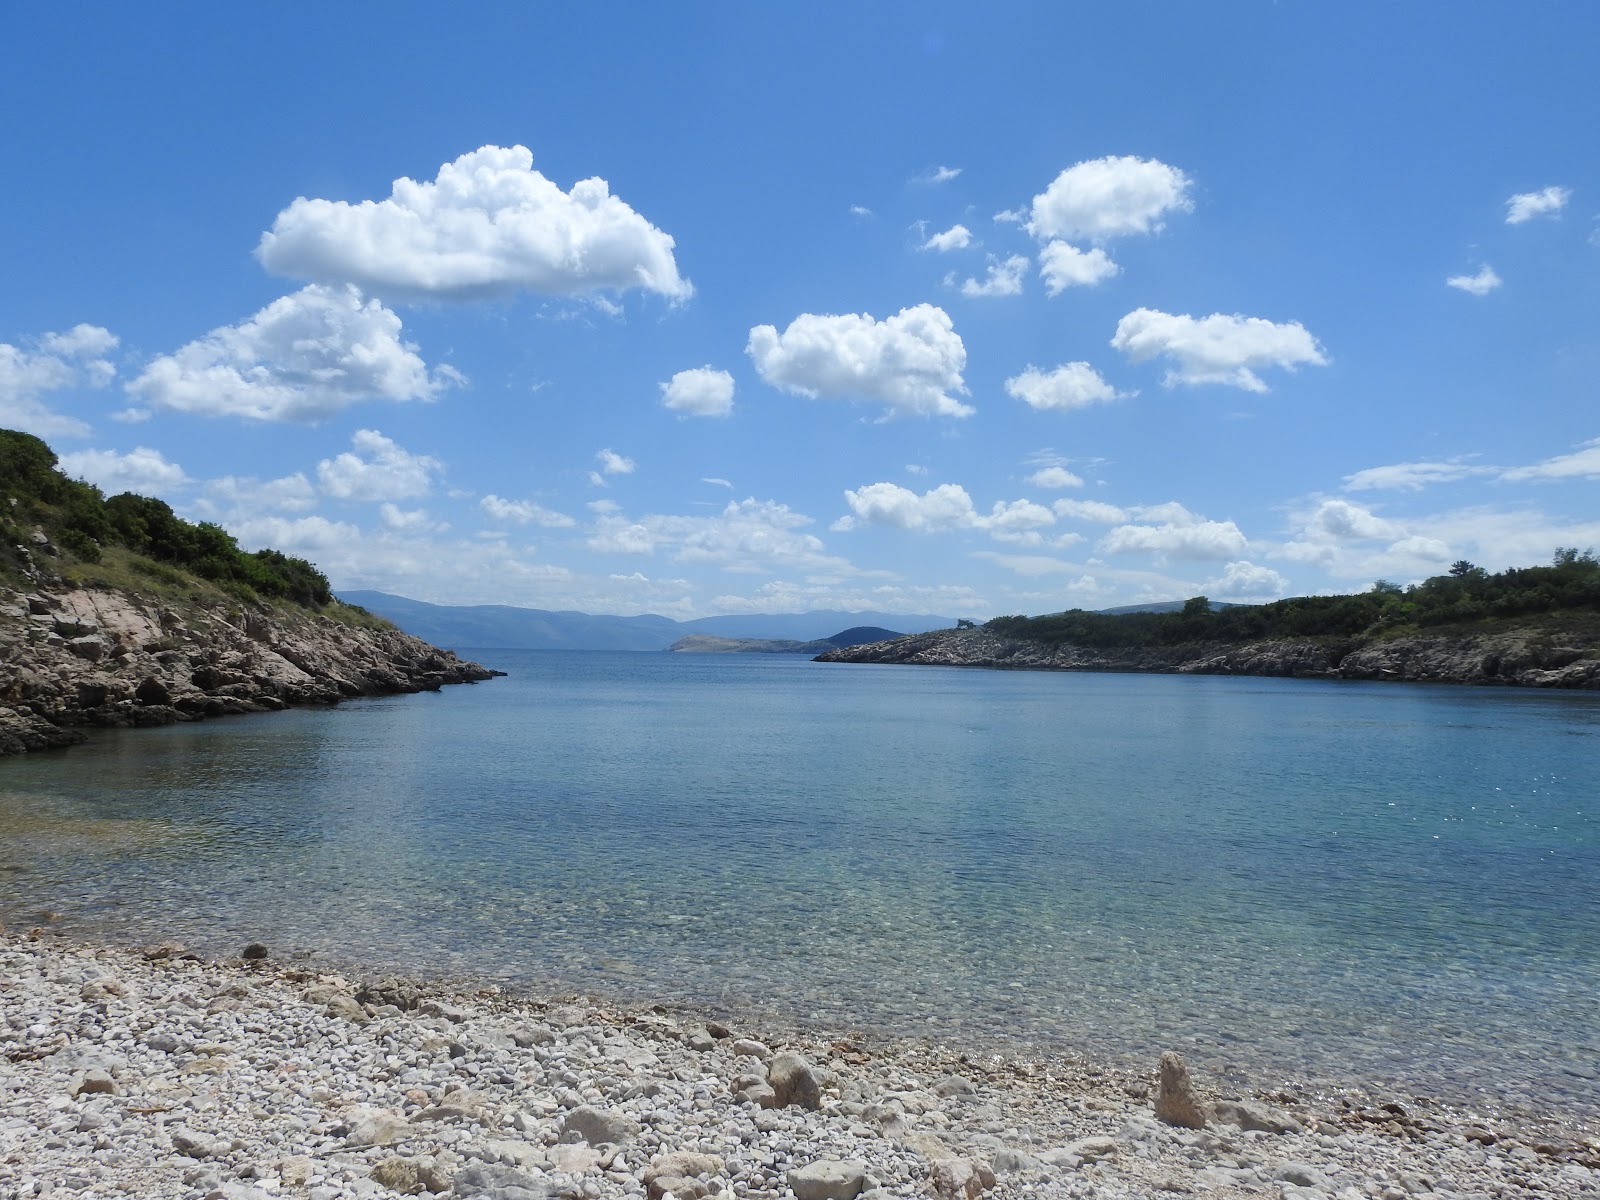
(154, 1072)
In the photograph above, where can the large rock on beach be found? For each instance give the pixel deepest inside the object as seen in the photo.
(794, 1081)
(1176, 1101)
(828, 1180)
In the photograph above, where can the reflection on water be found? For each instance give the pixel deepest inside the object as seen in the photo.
(1353, 882)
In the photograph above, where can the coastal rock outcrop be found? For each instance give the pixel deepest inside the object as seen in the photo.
(1513, 655)
(76, 658)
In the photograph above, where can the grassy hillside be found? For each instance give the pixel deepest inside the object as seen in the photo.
(51, 525)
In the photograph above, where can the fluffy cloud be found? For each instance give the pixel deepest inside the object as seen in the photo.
(304, 357)
(1341, 519)
(1179, 534)
(699, 392)
(612, 463)
(1582, 463)
(937, 175)
(378, 470)
(1055, 477)
(1244, 581)
(1090, 510)
(1410, 477)
(748, 535)
(957, 237)
(941, 509)
(1218, 348)
(1071, 385)
(488, 225)
(910, 362)
(1063, 265)
(522, 512)
(141, 470)
(414, 520)
(1003, 279)
(947, 506)
(76, 358)
(1546, 202)
(1479, 284)
(238, 497)
(1109, 197)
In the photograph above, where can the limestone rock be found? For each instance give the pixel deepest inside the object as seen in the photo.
(398, 1175)
(1093, 1149)
(375, 1126)
(295, 1171)
(501, 1183)
(193, 1144)
(94, 1081)
(794, 1081)
(959, 1179)
(828, 1180)
(1253, 1114)
(684, 1173)
(751, 1046)
(1176, 1102)
(598, 1127)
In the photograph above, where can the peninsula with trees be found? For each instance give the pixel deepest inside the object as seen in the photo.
(1529, 627)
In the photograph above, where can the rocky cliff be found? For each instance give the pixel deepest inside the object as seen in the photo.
(72, 658)
(1535, 654)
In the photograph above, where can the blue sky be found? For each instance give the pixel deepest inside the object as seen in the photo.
(727, 307)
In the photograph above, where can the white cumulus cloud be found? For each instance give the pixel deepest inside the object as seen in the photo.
(1218, 348)
(699, 392)
(1246, 582)
(487, 225)
(910, 362)
(305, 357)
(1063, 265)
(378, 469)
(957, 237)
(1480, 283)
(1090, 510)
(1109, 197)
(1071, 385)
(141, 470)
(1179, 534)
(941, 509)
(232, 497)
(612, 463)
(522, 512)
(1546, 202)
(940, 174)
(747, 535)
(1004, 278)
(1055, 477)
(947, 506)
(57, 361)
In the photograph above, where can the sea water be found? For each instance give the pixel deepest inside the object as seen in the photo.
(1380, 884)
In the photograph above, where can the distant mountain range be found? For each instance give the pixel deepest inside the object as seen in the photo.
(503, 627)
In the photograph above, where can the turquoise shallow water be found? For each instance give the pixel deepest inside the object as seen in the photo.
(1354, 883)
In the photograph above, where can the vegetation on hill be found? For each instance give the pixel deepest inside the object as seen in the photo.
(1571, 584)
(137, 532)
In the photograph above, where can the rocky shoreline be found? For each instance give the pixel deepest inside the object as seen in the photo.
(1525, 656)
(155, 1074)
(78, 658)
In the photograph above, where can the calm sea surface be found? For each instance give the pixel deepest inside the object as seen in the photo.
(1351, 883)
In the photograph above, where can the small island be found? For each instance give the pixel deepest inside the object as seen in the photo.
(704, 643)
